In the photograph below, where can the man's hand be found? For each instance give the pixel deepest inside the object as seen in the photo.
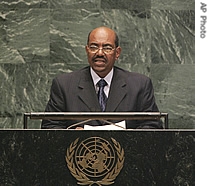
(79, 128)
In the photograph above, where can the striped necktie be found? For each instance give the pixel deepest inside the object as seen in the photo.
(101, 94)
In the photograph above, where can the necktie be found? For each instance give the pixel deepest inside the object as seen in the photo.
(101, 95)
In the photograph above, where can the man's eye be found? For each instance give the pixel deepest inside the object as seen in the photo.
(107, 48)
(93, 47)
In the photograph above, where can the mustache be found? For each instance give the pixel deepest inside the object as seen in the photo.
(99, 57)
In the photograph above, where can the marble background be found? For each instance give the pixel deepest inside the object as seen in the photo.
(42, 38)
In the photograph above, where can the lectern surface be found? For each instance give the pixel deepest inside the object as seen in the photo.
(121, 158)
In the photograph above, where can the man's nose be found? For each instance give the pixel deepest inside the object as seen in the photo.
(100, 52)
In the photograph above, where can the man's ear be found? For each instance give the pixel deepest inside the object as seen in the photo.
(86, 49)
(118, 51)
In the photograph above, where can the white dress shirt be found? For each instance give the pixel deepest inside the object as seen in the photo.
(108, 79)
(118, 126)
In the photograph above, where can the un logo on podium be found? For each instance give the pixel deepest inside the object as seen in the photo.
(95, 161)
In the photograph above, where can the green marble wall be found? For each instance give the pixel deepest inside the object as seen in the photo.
(42, 38)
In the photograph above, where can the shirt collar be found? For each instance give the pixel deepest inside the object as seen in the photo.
(96, 78)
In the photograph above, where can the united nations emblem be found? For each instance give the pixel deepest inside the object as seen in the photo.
(95, 161)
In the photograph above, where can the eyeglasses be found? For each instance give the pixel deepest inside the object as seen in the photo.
(105, 49)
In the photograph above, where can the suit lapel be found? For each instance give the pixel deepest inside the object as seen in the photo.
(87, 91)
(117, 91)
(88, 94)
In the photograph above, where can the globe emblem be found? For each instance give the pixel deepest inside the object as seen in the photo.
(95, 157)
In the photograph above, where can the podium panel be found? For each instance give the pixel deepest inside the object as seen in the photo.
(120, 158)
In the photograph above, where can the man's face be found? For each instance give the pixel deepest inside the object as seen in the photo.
(100, 60)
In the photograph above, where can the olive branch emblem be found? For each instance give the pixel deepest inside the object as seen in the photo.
(84, 179)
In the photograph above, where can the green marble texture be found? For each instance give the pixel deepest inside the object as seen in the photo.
(40, 39)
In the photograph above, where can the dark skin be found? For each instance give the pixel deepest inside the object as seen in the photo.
(100, 62)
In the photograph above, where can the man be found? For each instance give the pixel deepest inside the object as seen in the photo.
(122, 91)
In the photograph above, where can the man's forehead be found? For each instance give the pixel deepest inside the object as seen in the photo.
(105, 35)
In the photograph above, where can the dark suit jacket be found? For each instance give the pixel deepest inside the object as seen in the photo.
(75, 92)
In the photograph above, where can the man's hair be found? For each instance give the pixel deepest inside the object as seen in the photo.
(116, 39)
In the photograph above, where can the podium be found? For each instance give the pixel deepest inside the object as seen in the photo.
(143, 157)
(79, 157)
(85, 117)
